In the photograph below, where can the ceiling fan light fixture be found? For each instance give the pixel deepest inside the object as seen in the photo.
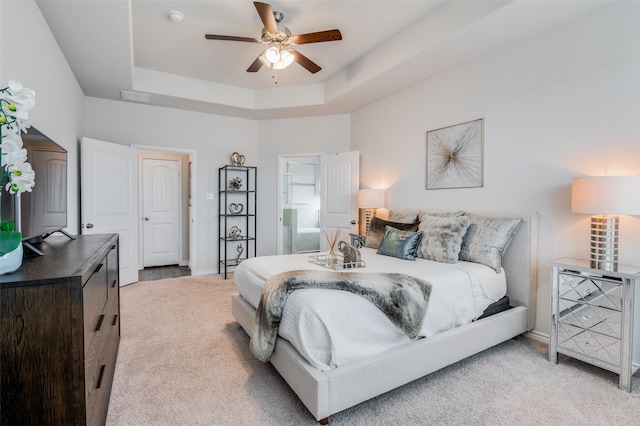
(286, 59)
(272, 55)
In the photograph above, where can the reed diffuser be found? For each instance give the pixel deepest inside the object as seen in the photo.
(332, 258)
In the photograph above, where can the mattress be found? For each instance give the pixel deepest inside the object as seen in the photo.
(331, 328)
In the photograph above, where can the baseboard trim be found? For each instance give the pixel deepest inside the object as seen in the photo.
(205, 272)
(538, 336)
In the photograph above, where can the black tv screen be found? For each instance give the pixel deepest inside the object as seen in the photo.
(44, 209)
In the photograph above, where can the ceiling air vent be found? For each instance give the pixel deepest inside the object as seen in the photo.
(135, 97)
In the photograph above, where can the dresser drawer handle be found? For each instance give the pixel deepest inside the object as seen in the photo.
(115, 319)
(100, 322)
(114, 283)
(98, 268)
(100, 376)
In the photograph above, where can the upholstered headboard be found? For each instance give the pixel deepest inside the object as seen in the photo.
(520, 260)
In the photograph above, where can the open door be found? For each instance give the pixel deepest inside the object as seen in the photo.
(110, 198)
(339, 190)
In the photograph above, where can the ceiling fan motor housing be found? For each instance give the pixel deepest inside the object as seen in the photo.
(283, 35)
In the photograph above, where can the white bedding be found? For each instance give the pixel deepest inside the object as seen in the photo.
(322, 326)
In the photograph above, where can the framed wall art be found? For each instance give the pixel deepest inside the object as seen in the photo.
(455, 156)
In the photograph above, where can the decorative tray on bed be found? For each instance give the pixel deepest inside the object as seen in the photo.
(323, 260)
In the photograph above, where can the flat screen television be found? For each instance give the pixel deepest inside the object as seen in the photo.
(43, 211)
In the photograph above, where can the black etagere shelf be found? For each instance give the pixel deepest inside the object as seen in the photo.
(236, 216)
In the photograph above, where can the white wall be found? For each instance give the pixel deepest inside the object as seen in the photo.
(561, 105)
(213, 138)
(30, 55)
(327, 134)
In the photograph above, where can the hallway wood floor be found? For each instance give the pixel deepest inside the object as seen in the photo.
(160, 272)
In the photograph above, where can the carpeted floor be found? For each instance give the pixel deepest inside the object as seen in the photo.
(183, 360)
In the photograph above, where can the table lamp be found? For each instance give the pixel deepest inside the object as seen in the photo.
(604, 196)
(370, 200)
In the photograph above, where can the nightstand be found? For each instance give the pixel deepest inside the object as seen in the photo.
(593, 316)
(357, 240)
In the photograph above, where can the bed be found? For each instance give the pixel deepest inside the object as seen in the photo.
(332, 379)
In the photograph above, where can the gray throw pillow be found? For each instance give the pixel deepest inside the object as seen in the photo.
(403, 217)
(400, 244)
(376, 230)
(487, 240)
(442, 237)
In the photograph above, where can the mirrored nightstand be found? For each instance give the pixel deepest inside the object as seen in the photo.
(593, 316)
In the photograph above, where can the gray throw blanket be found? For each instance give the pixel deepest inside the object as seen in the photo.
(402, 298)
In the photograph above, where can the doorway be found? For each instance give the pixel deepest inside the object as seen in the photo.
(300, 204)
(316, 193)
(164, 208)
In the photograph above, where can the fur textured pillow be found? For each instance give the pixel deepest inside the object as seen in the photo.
(395, 216)
(487, 239)
(442, 237)
(376, 230)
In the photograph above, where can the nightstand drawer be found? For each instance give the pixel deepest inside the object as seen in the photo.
(593, 290)
(593, 318)
(576, 341)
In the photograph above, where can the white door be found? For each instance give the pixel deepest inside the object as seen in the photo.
(52, 203)
(110, 198)
(339, 191)
(162, 225)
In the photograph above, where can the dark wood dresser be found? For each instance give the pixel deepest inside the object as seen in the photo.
(59, 333)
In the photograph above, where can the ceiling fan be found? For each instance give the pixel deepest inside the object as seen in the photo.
(280, 53)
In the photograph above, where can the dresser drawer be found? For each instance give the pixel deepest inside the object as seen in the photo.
(98, 386)
(94, 299)
(100, 368)
(112, 268)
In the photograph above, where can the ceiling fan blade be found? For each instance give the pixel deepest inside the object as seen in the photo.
(266, 15)
(255, 66)
(307, 63)
(320, 36)
(231, 38)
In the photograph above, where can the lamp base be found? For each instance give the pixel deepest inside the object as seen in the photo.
(604, 243)
(368, 214)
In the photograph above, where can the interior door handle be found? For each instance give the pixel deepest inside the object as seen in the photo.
(146, 219)
(353, 222)
(89, 225)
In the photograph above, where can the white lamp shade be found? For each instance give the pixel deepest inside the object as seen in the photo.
(606, 195)
(370, 198)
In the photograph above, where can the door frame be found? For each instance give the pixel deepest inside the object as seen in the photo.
(282, 159)
(192, 207)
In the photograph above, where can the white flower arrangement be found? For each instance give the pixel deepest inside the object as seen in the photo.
(15, 103)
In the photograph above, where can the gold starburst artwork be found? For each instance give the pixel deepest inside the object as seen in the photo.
(454, 156)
